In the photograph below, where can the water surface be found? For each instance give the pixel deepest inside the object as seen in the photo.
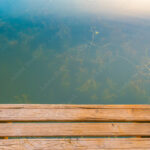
(75, 52)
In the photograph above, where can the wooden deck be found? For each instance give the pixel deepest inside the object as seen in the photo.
(74, 127)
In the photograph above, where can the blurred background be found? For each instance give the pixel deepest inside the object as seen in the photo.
(75, 51)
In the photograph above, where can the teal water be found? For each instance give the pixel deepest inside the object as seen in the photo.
(52, 52)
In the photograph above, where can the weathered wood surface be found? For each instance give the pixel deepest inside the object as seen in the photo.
(73, 129)
(63, 106)
(80, 114)
(76, 144)
(75, 113)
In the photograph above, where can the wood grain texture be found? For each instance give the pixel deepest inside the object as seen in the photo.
(72, 113)
(73, 129)
(63, 106)
(80, 114)
(76, 144)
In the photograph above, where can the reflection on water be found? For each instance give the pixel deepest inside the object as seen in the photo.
(54, 57)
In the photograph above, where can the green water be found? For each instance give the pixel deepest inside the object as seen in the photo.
(54, 56)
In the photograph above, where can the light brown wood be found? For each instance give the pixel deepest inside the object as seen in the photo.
(75, 113)
(63, 106)
(7, 137)
(80, 114)
(73, 129)
(76, 144)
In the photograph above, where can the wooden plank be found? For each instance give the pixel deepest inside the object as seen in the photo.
(75, 114)
(63, 106)
(73, 129)
(76, 144)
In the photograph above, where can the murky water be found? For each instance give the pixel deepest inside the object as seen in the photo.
(74, 52)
